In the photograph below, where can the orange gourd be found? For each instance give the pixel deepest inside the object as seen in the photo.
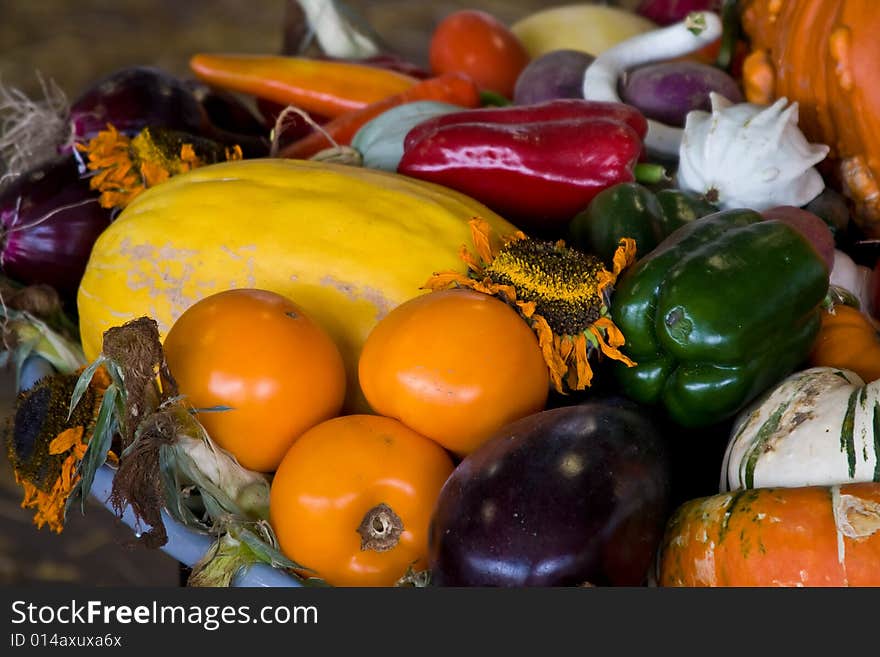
(810, 536)
(825, 55)
(848, 340)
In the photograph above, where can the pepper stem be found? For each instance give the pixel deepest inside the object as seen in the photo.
(380, 529)
(649, 174)
(492, 99)
(729, 35)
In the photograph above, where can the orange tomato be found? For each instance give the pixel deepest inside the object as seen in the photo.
(257, 354)
(455, 366)
(352, 499)
(479, 45)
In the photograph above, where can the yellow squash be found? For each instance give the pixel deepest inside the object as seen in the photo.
(584, 26)
(346, 244)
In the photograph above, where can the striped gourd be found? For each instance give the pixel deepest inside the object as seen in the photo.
(820, 426)
(808, 536)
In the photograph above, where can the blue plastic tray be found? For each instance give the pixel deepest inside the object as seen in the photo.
(184, 544)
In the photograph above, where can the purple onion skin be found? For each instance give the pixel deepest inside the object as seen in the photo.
(230, 121)
(808, 224)
(134, 98)
(43, 240)
(225, 110)
(666, 12)
(667, 91)
(556, 74)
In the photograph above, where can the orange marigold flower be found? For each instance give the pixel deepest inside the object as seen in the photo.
(125, 166)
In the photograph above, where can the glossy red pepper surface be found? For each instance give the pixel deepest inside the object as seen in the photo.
(537, 165)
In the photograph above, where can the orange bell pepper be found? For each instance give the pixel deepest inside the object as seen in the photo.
(328, 88)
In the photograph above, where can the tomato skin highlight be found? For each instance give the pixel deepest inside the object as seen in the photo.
(455, 366)
(479, 45)
(334, 475)
(257, 355)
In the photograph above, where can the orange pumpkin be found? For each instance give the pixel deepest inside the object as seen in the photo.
(849, 340)
(811, 536)
(826, 56)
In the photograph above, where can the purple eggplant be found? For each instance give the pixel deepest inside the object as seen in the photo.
(556, 74)
(667, 91)
(566, 497)
(49, 221)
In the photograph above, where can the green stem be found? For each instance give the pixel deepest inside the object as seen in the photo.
(730, 33)
(493, 99)
(649, 174)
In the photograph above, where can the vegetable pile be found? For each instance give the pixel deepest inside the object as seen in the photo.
(589, 299)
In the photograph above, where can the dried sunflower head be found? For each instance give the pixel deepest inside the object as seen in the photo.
(562, 293)
(45, 447)
(125, 166)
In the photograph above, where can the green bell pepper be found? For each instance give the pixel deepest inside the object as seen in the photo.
(717, 313)
(632, 210)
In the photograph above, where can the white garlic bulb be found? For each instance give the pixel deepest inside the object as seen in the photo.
(749, 156)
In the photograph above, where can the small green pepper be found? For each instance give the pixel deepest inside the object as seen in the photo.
(632, 210)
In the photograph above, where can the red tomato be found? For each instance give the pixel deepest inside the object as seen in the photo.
(479, 45)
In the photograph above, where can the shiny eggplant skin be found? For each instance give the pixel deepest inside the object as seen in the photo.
(567, 497)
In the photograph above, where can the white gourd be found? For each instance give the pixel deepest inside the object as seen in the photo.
(816, 428)
(743, 155)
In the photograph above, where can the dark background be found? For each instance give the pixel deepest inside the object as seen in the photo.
(76, 42)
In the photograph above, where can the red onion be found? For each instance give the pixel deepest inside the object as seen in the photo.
(130, 99)
(134, 98)
(49, 220)
(140, 96)
(226, 111)
(667, 12)
(812, 227)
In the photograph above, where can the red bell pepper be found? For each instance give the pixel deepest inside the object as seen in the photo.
(536, 165)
